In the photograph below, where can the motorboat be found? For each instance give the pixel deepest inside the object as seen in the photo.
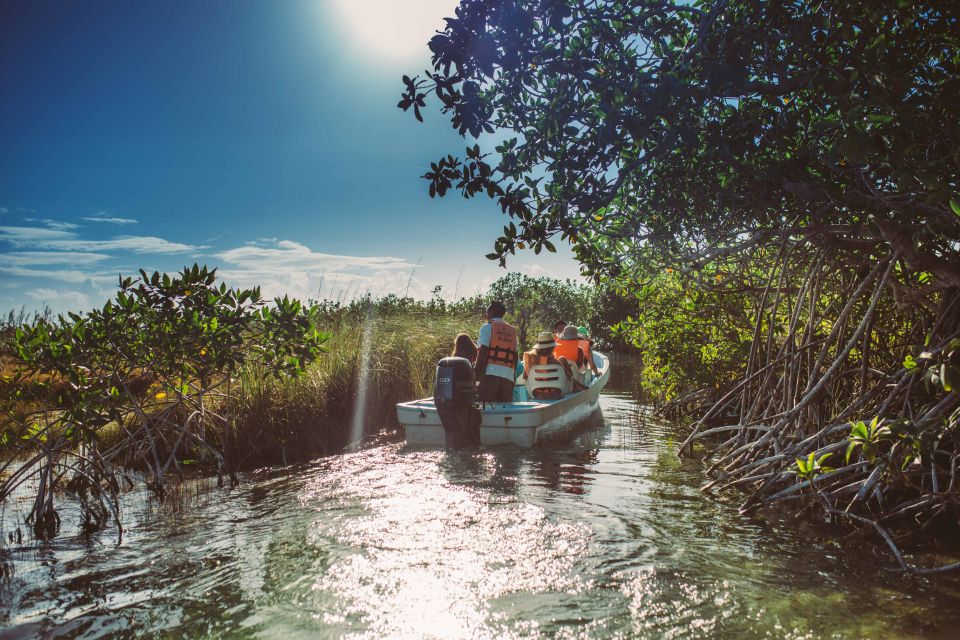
(524, 423)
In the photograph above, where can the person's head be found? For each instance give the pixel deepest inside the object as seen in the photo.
(463, 347)
(495, 310)
(570, 333)
(558, 326)
(545, 344)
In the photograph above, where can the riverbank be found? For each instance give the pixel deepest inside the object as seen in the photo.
(605, 536)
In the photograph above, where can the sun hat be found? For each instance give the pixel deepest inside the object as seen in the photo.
(569, 332)
(545, 340)
(583, 332)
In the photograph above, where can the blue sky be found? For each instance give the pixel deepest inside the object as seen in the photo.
(259, 137)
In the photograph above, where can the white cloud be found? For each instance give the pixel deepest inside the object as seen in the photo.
(31, 258)
(26, 236)
(110, 220)
(73, 276)
(291, 268)
(286, 255)
(136, 244)
(536, 271)
(54, 224)
(44, 238)
(61, 299)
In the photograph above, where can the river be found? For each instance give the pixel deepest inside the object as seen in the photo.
(607, 536)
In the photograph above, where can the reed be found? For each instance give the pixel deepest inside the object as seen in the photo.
(285, 420)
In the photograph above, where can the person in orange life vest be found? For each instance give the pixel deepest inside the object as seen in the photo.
(497, 356)
(542, 353)
(587, 345)
(568, 346)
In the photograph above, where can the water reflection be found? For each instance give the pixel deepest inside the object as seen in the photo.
(604, 536)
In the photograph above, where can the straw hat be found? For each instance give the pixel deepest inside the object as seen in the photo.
(545, 340)
(570, 333)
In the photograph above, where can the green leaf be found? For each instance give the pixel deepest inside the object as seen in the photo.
(955, 205)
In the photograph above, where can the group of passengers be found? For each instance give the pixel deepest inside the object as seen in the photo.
(500, 373)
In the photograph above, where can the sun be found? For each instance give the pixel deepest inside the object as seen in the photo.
(390, 31)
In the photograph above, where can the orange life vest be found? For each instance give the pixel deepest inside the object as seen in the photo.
(567, 349)
(503, 345)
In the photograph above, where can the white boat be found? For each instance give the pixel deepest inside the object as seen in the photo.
(523, 424)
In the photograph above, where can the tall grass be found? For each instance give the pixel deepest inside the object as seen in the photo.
(280, 421)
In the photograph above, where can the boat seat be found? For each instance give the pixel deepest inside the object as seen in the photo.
(547, 376)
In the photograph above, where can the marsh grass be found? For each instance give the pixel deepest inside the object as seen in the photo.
(282, 421)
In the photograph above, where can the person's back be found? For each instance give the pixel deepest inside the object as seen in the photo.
(568, 346)
(497, 357)
(543, 354)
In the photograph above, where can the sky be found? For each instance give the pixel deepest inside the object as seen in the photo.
(261, 138)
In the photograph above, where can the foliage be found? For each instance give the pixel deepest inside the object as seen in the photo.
(151, 367)
(812, 466)
(777, 184)
(535, 304)
(704, 128)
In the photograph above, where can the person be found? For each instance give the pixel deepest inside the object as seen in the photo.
(587, 345)
(558, 327)
(568, 346)
(497, 356)
(543, 353)
(463, 347)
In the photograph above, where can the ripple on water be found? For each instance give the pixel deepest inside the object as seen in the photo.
(605, 536)
(430, 553)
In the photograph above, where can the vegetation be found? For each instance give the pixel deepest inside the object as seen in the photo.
(179, 375)
(776, 185)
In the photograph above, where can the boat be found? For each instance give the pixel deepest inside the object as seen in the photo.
(523, 424)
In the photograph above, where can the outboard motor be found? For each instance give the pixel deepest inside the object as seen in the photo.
(454, 396)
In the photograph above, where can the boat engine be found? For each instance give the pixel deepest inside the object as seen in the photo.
(454, 396)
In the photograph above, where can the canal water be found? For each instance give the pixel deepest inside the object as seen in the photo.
(607, 536)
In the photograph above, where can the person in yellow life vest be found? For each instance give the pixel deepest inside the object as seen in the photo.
(587, 345)
(497, 356)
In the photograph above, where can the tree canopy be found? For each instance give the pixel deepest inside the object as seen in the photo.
(676, 132)
(775, 185)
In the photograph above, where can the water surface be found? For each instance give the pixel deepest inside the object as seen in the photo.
(606, 536)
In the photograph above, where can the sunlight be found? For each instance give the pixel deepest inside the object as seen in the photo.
(389, 30)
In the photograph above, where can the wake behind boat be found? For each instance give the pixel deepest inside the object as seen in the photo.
(523, 424)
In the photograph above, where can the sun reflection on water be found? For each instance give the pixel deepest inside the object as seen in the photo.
(430, 557)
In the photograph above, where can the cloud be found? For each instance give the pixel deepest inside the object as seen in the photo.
(288, 267)
(536, 271)
(102, 217)
(52, 239)
(54, 224)
(73, 276)
(32, 258)
(287, 254)
(61, 299)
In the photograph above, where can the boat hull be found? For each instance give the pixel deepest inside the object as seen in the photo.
(522, 424)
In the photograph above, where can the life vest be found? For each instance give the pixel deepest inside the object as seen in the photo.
(503, 345)
(566, 349)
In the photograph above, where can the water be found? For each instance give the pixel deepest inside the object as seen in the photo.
(605, 537)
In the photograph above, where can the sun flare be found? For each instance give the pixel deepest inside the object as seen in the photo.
(390, 30)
